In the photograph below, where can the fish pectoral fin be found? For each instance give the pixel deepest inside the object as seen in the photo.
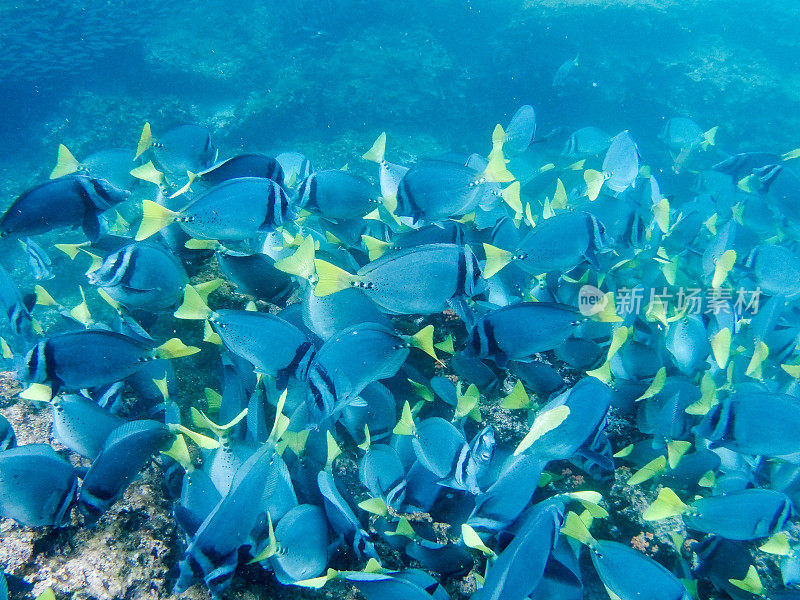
(331, 279)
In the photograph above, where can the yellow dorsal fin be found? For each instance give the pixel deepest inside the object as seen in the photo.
(145, 141)
(206, 287)
(378, 150)
(560, 196)
(71, 250)
(81, 312)
(65, 164)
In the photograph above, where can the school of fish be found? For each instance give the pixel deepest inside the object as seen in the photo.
(463, 329)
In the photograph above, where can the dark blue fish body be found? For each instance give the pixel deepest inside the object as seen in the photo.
(212, 555)
(421, 279)
(85, 359)
(740, 165)
(632, 575)
(383, 474)
(274, 346)
(336, 195)
(123, 455)
(15, 310)
(7, 437)
(377, 586)
(243, 165)
(753, 422)
(782, 186)
(377, 411)
(434, 190)
(327, 315)
(81, 425)
(341, 517)
(351, 360)
(37, 486)
(776, 270)
(236, 209)
(199, 496)
(256, 275)
(518, 569)
(588, 401)
(141, 275)
(449, 560)
(302, 536)
(561, 242)
(183, 148)
(746, 515)
(71, 201)
(518, 331)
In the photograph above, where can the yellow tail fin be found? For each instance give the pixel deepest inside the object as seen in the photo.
(791, 154)
(511, 196)
(194, 244)
(575, 528)
(209, 335)
(331, 279)
(496, 260)
(154, 218)
(661, 214)
(496, 169)
(405, 426)
(193, 307)
(666, 505)
(709, 137)
(5, 349)
(301, 262)
(423, 340)
(71, 250)
(498, 135)
(38, 392)
(594, 181)
(81, 312)
(66, 163)
(375, 247)
(751, 582)
(722, 267)
(650, 470)
(560, 197)
(148, 172)
(544, 422)
(206, 287)
(109, 300)
(187, 185)
(376, 153)
(43, 297)
(145, 141)
(174, 348)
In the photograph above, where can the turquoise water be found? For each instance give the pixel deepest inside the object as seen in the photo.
(325, 79)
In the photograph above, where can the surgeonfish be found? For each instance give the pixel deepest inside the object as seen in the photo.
(178, 150)
(418, 280)
(70, 201)
(296, 168)
(37, 486)
(336, 195)
(241, 165)
(90, 358)
(141, 275)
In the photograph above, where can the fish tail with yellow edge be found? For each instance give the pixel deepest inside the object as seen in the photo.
(194, 307)
(496, 260)
(187, 186)
(331, 279)
(378, 150)
(145, 141)
(154, 218)
(301, 261)
(65, 164)
(174, 348)
(375, 247)
(709, 138)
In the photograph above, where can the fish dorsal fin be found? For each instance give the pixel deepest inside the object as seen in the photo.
(65, 164)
